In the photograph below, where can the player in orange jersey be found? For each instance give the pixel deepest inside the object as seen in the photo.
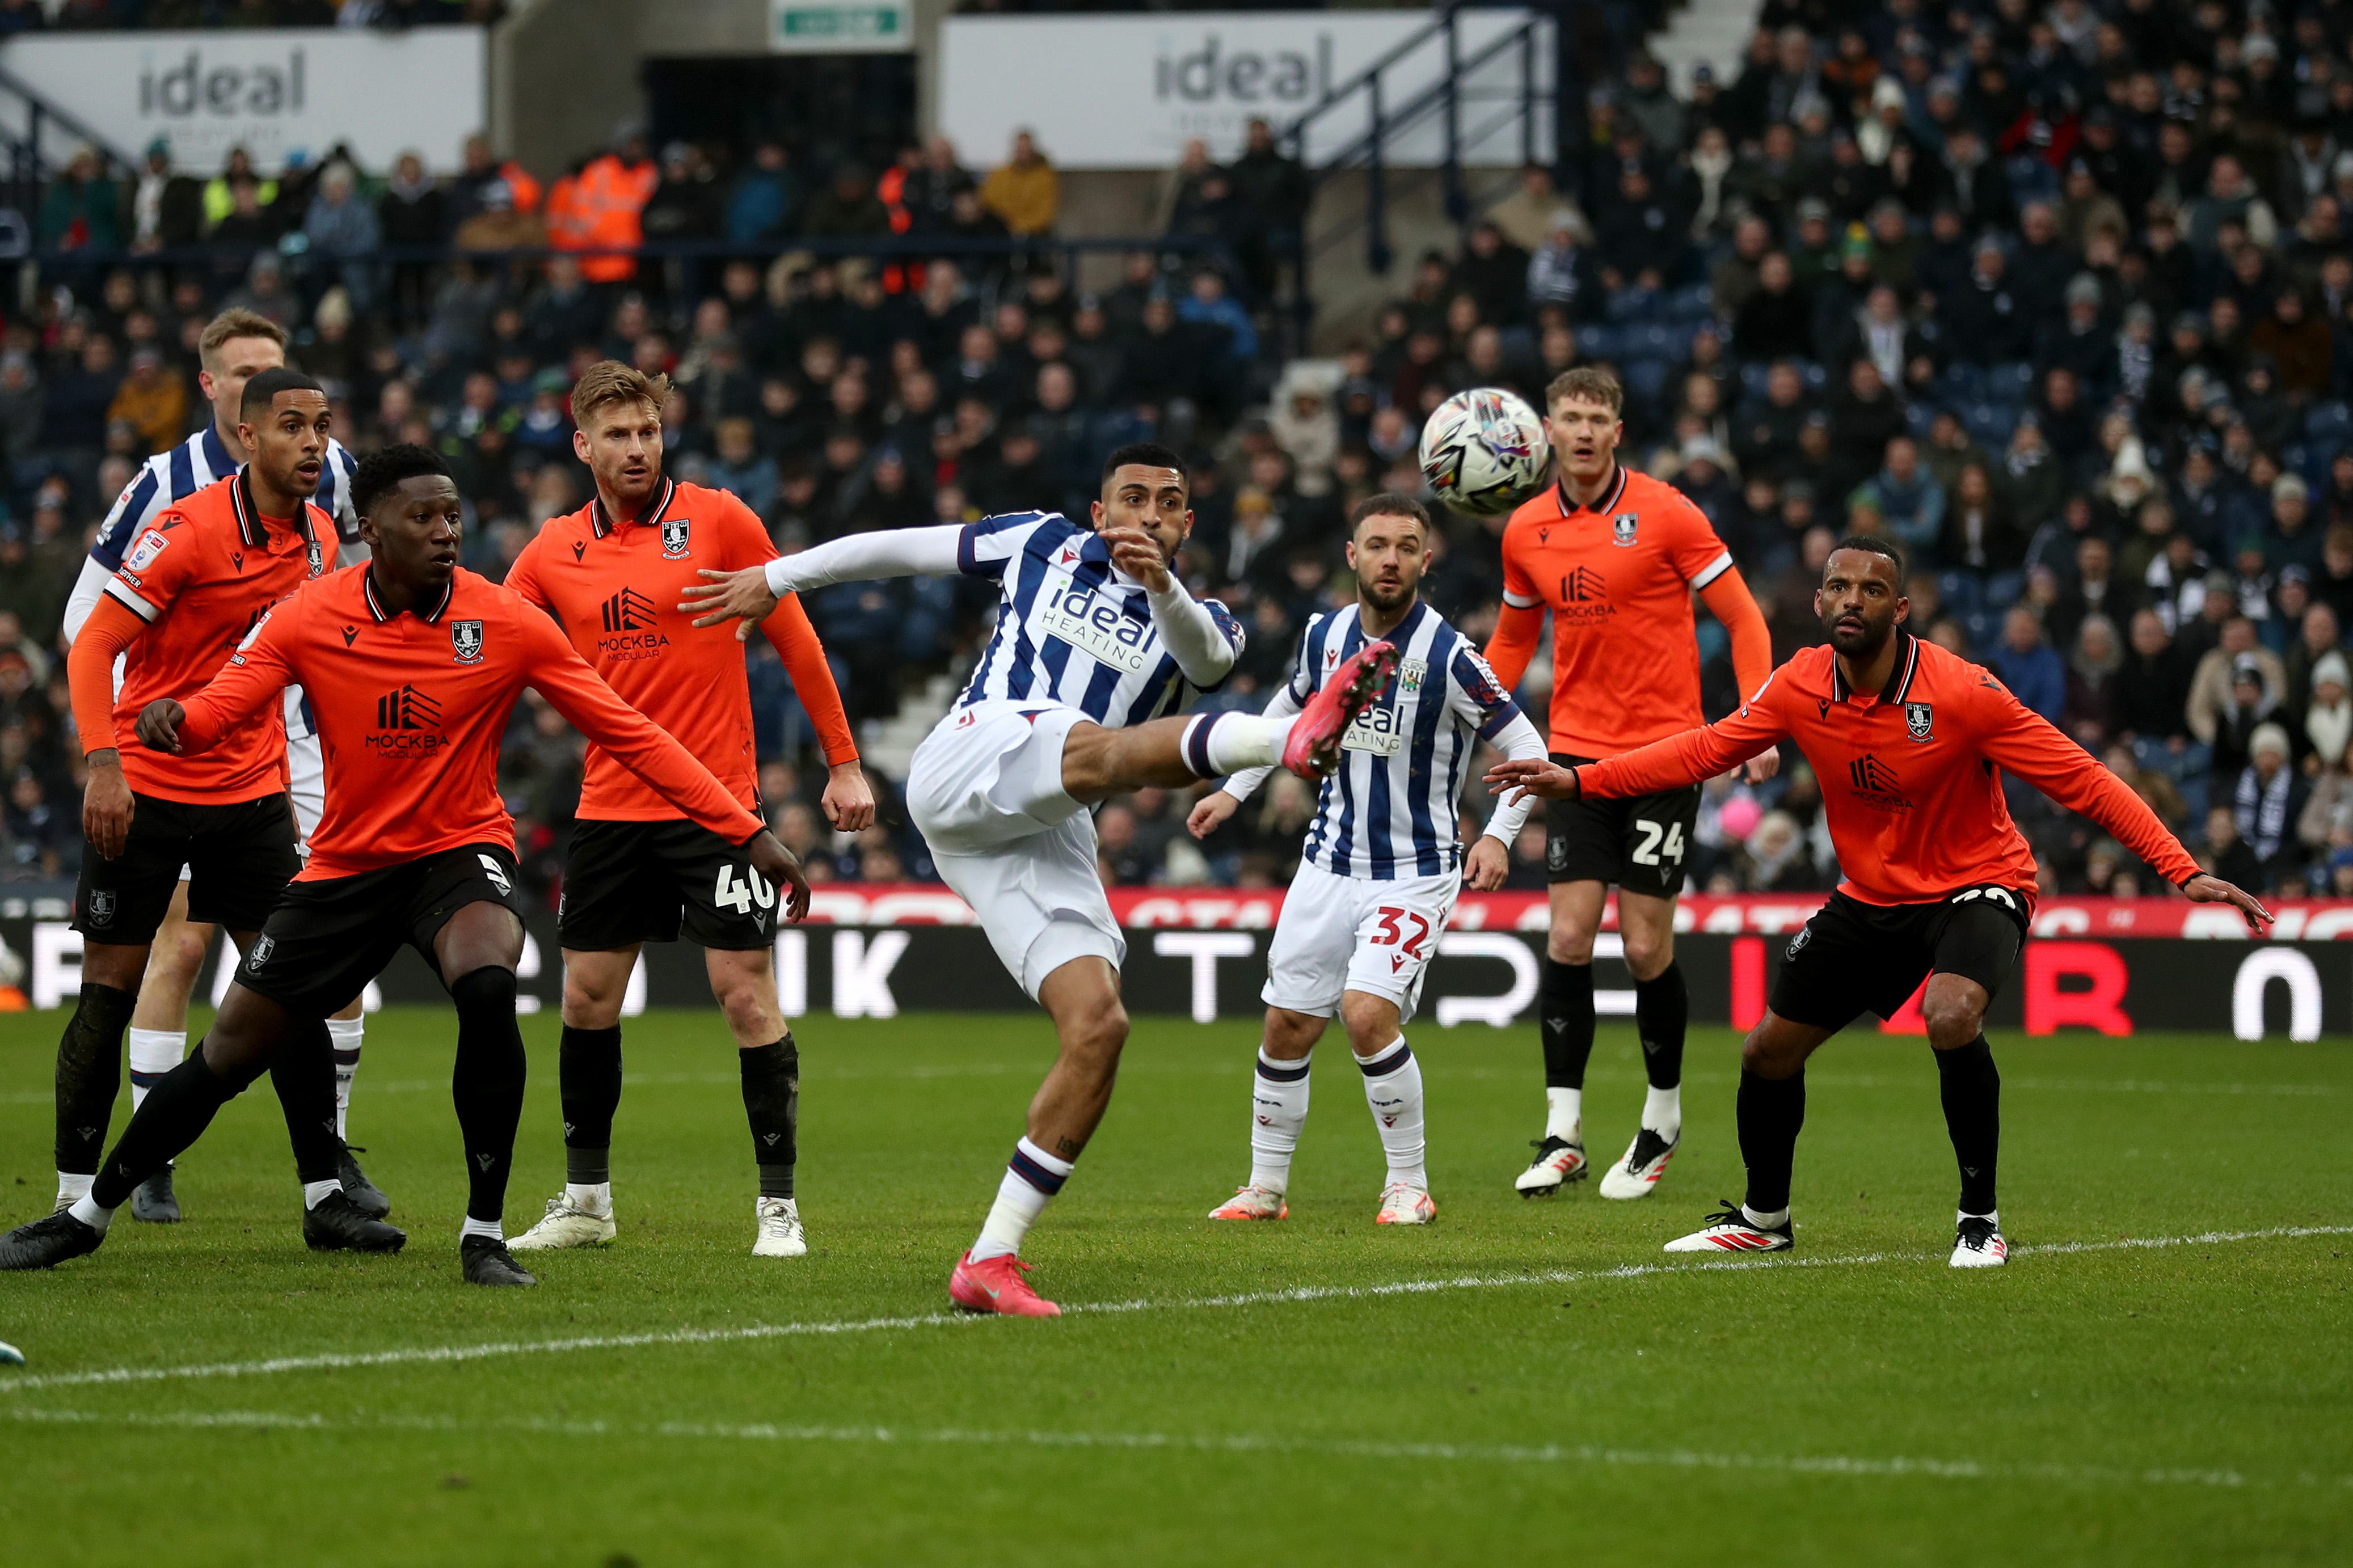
(413, 667)
(637, 870)
(192, 582)
(1614, 557)
(1909, 741)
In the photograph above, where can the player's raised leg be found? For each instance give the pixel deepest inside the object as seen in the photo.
(1279, 1093)
(1081, 996)
(1661, 1010)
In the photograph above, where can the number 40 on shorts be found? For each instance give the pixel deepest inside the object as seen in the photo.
(740, 889)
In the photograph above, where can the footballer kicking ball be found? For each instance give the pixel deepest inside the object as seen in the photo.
(1483, 451)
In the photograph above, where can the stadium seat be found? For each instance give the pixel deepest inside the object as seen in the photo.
(1990, 422)
(2009, 383)
(1633, 304)
(1599, 340)
(1964, 383)
(1646, 380)
(2328, 426)
(1693, 303)
(1917, 417)
(1752, 379)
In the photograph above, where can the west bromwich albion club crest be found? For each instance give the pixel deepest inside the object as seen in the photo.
(1919, 718)
(1410, 674)
(1621, 528)
(466, 641)
(673, 538)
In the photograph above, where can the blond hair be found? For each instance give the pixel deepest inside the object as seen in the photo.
(610, 381)
(235, 322)
(1590, 381)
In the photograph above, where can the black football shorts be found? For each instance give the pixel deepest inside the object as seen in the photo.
(327, 939)
(1639, 843)
(1853, 958)
(238, 857)
(631, 883)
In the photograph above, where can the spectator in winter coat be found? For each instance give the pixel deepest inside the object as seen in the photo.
(2029, 666)
(2153, 686)
(1024, 191)
(1562, 272)
(1910, 501)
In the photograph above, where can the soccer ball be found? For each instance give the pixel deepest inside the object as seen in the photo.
(1483, 451)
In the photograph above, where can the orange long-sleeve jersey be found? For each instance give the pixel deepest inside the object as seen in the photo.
(1617, 578)
(190, 587)
(411, 708)
(1910, 774)
(615, 588)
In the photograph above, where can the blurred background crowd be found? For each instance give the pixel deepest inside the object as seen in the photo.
(2055, 296)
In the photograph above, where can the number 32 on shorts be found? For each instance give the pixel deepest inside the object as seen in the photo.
(1658, 843)
(1404, 930)
(740, 892)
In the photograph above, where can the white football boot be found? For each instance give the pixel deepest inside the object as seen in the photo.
(1403, 1205)
(1558, 1161)
(1639, 1170)
(566, 1224)
(1252, 1203)
(780, 1229)
(1978, 1243)
(1729, 1230)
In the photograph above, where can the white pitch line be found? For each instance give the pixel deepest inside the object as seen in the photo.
(1835, 1465)
(432, 1354)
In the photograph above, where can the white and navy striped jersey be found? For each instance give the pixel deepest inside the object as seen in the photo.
(1391, 809)
(202, 459)
(1071, 628)
(169, 478)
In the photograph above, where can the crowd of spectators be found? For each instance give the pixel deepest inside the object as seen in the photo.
(2058, 299)
(90, 15)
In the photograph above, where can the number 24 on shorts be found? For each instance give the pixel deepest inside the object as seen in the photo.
(1651, 851)
(741, 893)
(1392, 931)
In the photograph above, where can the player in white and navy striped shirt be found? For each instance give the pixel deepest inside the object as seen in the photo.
(236, 347)
(1094, 640)
(1382, 863)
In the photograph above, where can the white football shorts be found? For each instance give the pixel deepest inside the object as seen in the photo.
(985, 789)
(1352, 933)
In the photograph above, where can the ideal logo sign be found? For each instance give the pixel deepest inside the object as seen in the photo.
(249, 88)
(1218, 70)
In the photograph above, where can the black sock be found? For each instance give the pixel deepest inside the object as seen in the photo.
(1772, 1110)
(1971, 1090)
(303, 1074)
(772, 1101)
(1661, 1009)
(1564, 1007)
(90, 1074)
(487, 1085)
(177, 1111)
(588, 1071)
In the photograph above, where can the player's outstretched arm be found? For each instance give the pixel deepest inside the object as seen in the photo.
(1675, 763)
(2015, 736)
(848, 799)
(749, 596)
(1519, 628)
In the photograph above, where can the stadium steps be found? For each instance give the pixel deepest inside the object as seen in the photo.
(889, 744)
(1715, 31)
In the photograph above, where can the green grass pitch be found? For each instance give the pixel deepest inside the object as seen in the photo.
(1555, 1389)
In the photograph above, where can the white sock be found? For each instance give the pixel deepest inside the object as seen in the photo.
(1564, 1114)
(596, 1197)
(1764, 1221)
(91, 1215)
(1393, 1089)
(154, 1053)
(1662, 1112)
(1278, 1111)
(1031, 1177)
(347, 1035)
(1216, 744)
(1991, 1216)
(72, 1186)
(489, 1227)
(316, 1192)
